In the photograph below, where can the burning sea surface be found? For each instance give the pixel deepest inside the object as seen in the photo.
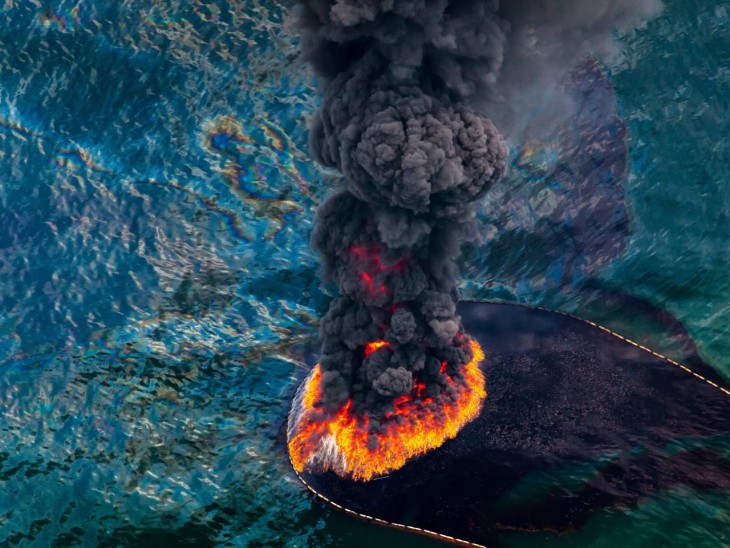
(344, 443)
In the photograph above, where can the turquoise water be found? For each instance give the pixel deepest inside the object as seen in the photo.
(158, 296)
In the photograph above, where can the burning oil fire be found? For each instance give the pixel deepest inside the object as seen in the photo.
(342, 441)
(403, 119)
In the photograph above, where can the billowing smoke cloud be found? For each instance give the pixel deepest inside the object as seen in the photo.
(406, 84)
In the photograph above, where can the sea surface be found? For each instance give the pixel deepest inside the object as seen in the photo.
(159, 299)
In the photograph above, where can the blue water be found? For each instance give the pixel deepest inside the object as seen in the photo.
(158, 294)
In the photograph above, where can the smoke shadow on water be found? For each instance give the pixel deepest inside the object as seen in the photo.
(577, 420)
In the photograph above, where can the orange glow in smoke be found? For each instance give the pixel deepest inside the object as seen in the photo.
(372, 268)
(339, 442)
(373, 346)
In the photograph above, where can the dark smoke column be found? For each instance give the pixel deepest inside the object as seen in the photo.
(414, 156)
(397, 375)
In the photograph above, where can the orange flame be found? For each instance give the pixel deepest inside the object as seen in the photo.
(342, 442)
(373, 346)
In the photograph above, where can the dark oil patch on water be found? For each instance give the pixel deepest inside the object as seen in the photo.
(576, 420)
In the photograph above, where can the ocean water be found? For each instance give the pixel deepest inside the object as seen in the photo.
(159, 299)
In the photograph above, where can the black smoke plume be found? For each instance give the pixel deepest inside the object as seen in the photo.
(405, 87)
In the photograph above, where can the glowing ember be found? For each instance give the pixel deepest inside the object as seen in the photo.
(343, 443)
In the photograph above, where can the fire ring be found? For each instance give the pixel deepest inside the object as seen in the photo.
(343, 442)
